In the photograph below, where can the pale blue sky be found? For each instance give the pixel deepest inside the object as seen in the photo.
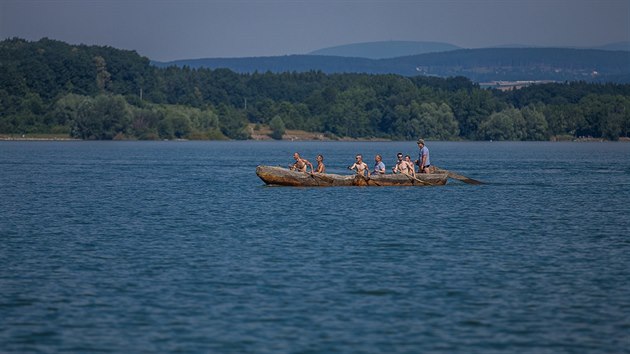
(168, 29)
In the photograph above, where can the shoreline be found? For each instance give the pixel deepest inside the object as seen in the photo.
(36, 137)
(291, 136)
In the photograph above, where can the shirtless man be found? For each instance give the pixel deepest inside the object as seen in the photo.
(408, 159)
(360, 166)
(300, 164)
(403, 166)
(321, 168)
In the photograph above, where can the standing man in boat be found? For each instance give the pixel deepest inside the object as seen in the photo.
(423, 160)
(403, 166)
(379, 166)
(300, 164)
(321, 168)
(360, 166)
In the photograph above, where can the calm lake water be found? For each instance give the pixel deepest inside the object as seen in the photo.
(132, 247)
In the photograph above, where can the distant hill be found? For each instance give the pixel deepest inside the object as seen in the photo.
(616, 46)
(285, 63)
(559, 64)
(385, 49)
(610, 46)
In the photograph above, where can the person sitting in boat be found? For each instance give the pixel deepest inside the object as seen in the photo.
(408, 159)
(423, 161)
(360, 166)
(403, 166)
(379, 166)
(300, 164)
(321, 168)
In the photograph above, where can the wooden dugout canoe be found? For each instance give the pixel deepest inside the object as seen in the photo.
(285, 177)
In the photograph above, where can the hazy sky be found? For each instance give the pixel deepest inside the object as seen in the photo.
(169, 29)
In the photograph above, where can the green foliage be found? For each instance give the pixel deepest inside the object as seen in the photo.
(103, 77)
(350, 114)
(434, 121)
(233, 123)
(536, 127)
(505, 125)
(101, 118)
(145, 121)
(277, 128)
(607, 116)
(95, 92)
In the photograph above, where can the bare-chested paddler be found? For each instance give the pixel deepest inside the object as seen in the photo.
(360, 166)
(321, 168)
(403, 166)
(300, 164)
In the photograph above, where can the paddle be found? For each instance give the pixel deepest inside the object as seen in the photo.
(424, 183)
(456, 176)
(367, 179)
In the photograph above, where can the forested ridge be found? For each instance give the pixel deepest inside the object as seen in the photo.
(95, 92)
(479, 65)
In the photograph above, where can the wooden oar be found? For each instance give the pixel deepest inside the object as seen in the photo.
(458, 177)
(365, 178)
(424, 183)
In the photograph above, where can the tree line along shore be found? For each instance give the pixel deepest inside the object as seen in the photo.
(93, 92)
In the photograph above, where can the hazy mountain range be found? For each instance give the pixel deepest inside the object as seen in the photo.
(393, 49)
(386, 49)
(609, 63)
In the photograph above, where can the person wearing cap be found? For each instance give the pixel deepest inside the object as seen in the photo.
(423, 161)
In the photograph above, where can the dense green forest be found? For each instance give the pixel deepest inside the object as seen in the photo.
(94, 92)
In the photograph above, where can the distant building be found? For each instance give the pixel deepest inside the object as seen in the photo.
(512, 85)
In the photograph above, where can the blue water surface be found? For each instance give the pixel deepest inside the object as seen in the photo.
(179, 247)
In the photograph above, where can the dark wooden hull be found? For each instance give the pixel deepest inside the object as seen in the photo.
(285, 177)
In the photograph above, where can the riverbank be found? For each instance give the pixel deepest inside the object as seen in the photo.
(36, 137)
(264, 134)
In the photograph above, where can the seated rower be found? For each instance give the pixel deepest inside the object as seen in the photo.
(379, 166)
(404, 166)
(321, 168)
(360, 166)
(300, 164)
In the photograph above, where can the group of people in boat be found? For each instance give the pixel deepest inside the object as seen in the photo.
(403, 163)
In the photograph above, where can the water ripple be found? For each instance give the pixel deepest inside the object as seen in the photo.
(144, 247)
